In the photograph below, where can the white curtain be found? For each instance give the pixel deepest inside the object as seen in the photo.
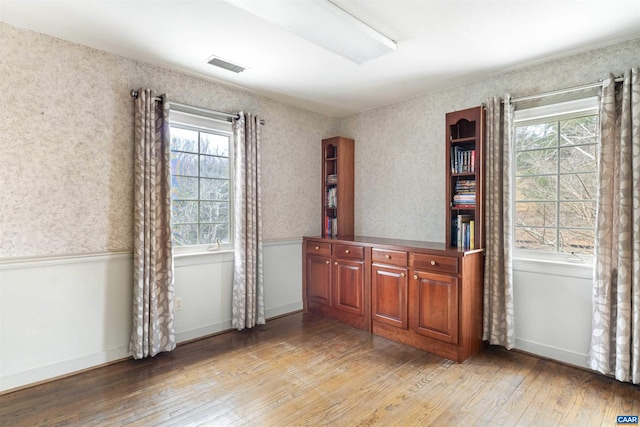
(153, 328)
(498, 324)
(248, 278)
(615, 338)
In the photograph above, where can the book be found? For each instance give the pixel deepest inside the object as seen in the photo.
(464, 194)
(463, 160)
(462, 231)
(331, 197)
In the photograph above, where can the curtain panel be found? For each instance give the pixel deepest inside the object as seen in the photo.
(153, 328)
(615, 338)
(498, 321)
(248, 277)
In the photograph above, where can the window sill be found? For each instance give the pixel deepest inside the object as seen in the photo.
(204, 257)
(553, 268)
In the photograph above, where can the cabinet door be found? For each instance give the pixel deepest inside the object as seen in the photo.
(348, 286)
(319, 279)
(389, 295)
(434, 306)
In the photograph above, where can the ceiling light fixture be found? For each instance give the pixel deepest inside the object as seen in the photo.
(325, 24)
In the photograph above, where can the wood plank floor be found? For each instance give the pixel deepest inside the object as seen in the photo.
(308, 371)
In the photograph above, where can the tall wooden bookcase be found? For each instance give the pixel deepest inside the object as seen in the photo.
(337, 186)
(464, 178)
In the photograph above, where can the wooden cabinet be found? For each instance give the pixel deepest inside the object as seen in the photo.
(319, 279)
(389, 295)
(464, 178)
(334, 281)
(434, 306)
(337, 186)
(389, 287)
(427, 295)
(435, 303)
(348, 286)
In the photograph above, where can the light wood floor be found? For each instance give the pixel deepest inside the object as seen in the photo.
(306, 370)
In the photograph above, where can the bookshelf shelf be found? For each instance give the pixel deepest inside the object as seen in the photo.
(464, 178)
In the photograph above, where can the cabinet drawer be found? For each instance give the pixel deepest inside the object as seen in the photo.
(387, 256)
(320, 248)
(348, 251)
(437, 263)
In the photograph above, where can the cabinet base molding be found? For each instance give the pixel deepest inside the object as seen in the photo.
(347, 318)
(449, 351)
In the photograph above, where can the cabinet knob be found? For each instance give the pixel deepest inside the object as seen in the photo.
(433, 263)
(401, 274)
(346, 251)
(415, 276)
(387, 256)
(317, 247)
(335, 263)
(326, 262)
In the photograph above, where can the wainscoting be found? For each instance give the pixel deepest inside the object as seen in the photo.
(552, 307)
(64, 314)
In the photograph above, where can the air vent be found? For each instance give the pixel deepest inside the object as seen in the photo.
(221, 63)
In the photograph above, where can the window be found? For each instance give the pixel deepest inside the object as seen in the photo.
(201, 182)
(556, 180)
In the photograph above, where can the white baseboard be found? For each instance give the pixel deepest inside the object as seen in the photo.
(282, 310)
(226, 325)
(204, 331)
(61, 369)
(561, 355)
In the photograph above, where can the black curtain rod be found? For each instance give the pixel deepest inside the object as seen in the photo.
(134, 93)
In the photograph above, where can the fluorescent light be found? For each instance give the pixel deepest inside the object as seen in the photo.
(323, 23)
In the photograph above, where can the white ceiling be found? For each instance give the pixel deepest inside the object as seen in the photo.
(440, 43)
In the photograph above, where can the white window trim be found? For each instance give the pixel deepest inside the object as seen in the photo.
(541, 114)
(183, 117)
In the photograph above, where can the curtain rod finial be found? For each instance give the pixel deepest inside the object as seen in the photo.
(134, 93)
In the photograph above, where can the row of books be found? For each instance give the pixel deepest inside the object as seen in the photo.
(463, 160)
(331, 197)
(463, 231)
(332, 179)
(464, 193)
(330, 226)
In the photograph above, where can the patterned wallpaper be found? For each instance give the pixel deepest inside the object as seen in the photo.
(66, 147)
(400, 148)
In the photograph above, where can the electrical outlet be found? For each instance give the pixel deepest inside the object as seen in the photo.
(178, 304)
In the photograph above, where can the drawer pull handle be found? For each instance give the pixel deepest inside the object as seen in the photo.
(326, 262)
(346, 251)
(433, 263)
(401, 274)
(388, 256)
(317, 247)
(335, 263)
(415, 276)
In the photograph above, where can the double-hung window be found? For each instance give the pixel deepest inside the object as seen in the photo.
(201, 182)
(555, 158)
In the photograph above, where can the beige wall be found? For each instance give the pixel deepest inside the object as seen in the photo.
(67, 132)
(400, 148)
(66, 146)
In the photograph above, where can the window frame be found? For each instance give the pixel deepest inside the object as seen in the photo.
(539, 114)
(183, 117)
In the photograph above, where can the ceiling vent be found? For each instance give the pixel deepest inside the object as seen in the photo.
(221, 63)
